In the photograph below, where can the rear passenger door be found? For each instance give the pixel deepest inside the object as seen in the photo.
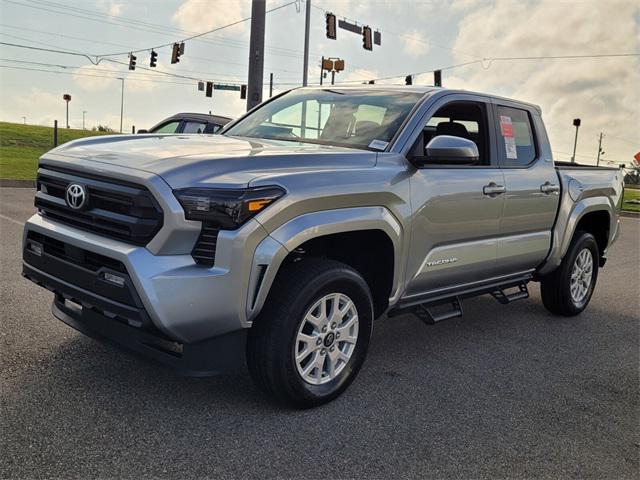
(532, 188)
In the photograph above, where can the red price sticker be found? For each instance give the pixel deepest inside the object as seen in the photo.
(506, 127)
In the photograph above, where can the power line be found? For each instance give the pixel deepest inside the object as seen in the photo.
(207, 60)
(122, 21)
(114, 77)
(493, 59)
(191, 37)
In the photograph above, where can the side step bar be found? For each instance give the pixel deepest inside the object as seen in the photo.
(443, 307)
(500, 295)
(429, 314)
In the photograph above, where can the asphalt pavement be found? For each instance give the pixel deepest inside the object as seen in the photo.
(504, 392)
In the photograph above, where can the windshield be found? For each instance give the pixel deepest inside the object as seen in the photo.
(349, 118)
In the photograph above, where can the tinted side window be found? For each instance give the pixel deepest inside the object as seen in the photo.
(170, 127)
(516, 144)
(193, 127)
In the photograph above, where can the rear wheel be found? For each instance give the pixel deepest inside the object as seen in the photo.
(312, 337)
(568, 290)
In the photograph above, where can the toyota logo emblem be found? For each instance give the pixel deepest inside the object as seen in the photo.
(76, 196)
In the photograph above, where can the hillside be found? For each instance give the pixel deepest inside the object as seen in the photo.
(22, 145)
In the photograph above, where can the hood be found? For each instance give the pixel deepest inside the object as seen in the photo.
(209, 160)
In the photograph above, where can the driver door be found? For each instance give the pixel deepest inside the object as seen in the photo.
(457, 208)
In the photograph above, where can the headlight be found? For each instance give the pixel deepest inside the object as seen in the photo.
(226, 208)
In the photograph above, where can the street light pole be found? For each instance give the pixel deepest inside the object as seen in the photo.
(24, 119)
(121, 102)
(84, 112)
(576, 123)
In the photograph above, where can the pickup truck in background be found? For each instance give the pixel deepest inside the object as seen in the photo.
(280, 240)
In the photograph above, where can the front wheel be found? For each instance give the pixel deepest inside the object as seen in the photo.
(568, 290)
(312, 337)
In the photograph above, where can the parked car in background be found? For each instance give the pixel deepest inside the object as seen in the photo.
(189, 123)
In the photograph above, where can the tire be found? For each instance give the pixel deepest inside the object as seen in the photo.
(288, 316)
(556, 288)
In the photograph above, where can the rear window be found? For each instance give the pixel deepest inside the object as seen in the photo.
(515, 133)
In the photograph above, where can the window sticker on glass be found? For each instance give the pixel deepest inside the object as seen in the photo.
(506, 128)
(510, 147)
(378, 144)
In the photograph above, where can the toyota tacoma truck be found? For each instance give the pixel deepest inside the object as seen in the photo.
(278, 242)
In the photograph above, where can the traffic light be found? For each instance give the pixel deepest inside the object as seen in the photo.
(154, 59)
(243, 92)
(132, 61)
(175, 53)
(331, 26)
(367, 40)
(408, 80)
(209, 92)
(437, 78)
(182, 48)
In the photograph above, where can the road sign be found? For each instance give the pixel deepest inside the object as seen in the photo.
(234, 88)
(637, 157)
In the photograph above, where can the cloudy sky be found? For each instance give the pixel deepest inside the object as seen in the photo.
(417, 36)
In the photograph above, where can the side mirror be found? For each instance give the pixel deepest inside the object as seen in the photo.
(449, 150)
(142, 130)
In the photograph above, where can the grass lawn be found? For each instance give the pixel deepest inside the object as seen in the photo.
(22, 145)
(630, 194)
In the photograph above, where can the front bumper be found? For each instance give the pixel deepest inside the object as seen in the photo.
(126, 325)
(210, 357)
(185, 302)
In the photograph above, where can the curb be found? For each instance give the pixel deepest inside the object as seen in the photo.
(627, 214)
(9, 182)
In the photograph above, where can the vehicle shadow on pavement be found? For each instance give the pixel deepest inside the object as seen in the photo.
(516, 385)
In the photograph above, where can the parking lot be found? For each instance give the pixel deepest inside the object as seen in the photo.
(506, 391)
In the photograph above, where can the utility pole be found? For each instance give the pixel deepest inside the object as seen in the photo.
(270, 85)
(576, 123)
(256, 54)
(600, 151)
(307, 22)
(121, 102)
(321, 69)
(84, 112)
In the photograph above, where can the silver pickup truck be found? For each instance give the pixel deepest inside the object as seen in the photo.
(282, 239)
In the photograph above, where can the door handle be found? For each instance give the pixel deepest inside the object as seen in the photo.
(548, 187)
(493, 189)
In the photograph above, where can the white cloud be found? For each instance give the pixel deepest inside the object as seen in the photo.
(415, 43)
(358, 75)
(116, 9)
(465, 5)
(604, 93)
(111, 7)
(96, 78)
(201, 16)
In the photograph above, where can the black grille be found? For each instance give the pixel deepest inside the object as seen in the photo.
(78, 256)
(122, 211)
(82, 269)
(204, 252)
